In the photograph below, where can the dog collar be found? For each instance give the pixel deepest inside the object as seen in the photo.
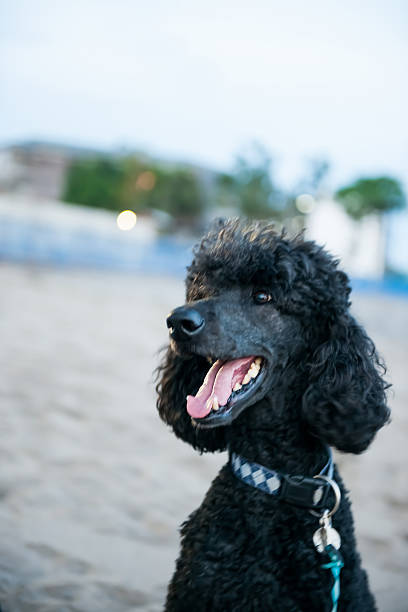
(300, 491)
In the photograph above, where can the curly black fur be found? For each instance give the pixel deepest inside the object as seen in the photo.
(243, 550)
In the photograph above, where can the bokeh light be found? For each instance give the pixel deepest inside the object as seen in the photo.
(146, 180)
(126, 220)
(305, 203)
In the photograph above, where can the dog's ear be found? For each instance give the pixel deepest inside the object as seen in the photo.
(345, 403)
(178, 377)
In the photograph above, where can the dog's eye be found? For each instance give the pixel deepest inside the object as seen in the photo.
(261, 297)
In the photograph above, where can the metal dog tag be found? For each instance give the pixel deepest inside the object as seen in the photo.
(325, 536)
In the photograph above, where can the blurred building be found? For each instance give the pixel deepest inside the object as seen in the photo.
(397, 243)
(361, 245)
(35, 169)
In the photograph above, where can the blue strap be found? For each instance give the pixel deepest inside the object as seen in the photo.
(328, 469)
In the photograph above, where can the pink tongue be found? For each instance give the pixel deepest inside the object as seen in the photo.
(219, 382)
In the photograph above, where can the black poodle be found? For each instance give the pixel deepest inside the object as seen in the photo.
(291, 373)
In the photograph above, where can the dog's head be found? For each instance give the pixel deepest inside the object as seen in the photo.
(267, 315)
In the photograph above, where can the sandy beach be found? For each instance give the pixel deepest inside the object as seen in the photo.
(93, 487)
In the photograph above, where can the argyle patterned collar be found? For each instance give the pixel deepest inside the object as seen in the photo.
(298, 490)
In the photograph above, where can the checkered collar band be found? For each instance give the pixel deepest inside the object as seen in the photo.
(300, 491)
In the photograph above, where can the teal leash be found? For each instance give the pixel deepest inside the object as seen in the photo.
(335, 564)
(328, 541)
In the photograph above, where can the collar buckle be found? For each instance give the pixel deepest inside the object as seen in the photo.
(305, 492)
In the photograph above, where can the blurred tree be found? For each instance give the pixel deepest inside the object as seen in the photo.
(132, 183)
(178, 192)
(371, 195)
(249, 188)
(139, 179)
(227, 192)
(94, 182)
(316, 172)
(309, 187)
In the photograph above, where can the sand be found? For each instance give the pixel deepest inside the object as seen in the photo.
(93, 486)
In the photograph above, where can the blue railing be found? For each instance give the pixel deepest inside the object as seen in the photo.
(40, 244)
(391, 285)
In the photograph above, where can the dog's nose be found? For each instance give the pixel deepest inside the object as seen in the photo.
(184, 322)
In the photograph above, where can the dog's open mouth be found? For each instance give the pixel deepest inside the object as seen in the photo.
(227, 384)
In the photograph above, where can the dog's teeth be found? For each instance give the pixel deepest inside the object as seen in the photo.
(246, 379)
(237, 387)
(258, 361)
(215, 404)
(253, 371)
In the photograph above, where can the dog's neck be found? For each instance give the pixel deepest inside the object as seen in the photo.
(281, 443)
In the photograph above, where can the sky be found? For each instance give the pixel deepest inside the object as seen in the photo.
(200, 80)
